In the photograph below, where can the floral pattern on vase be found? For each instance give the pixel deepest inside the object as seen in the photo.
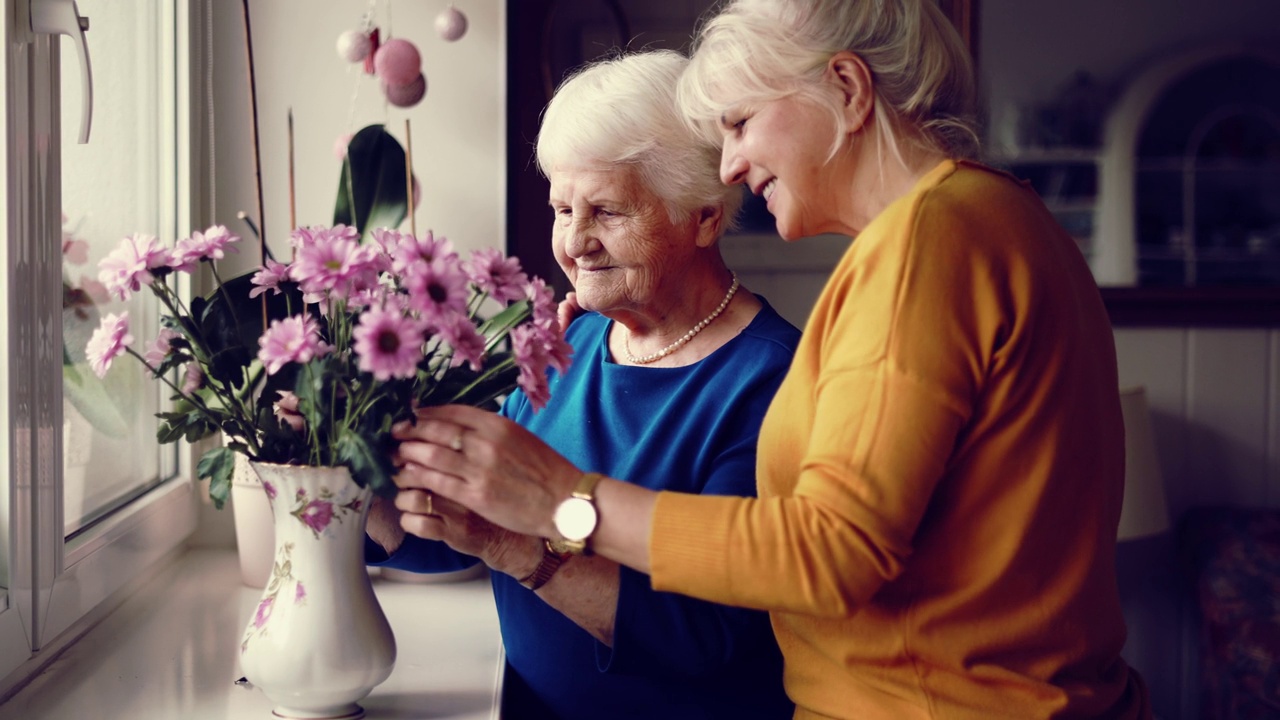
(317, 641)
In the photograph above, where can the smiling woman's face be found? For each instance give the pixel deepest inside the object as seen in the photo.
(614, 240)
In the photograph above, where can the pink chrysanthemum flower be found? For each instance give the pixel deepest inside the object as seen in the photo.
(127, 268)
(269, 278)
(542, 298)
(385, 241)
(108, 342)
(467, 343)
(532, 359)
(294, 339)
(160, 347)
(438, 291)
(212, 244)
(193, 379)
(334, 263)
(411, 252)
(388, 344)
(559, 352)
(499, 276)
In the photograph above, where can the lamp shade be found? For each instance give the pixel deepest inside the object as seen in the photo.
(1144, 511)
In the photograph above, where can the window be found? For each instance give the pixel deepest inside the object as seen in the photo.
(90, 499)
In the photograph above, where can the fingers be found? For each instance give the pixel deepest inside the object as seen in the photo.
(567, 310)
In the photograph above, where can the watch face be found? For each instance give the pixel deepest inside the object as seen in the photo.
(575, 518)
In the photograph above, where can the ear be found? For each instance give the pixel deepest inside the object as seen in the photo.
(853, 78)
(710, 222)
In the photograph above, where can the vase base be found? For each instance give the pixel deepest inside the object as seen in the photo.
(349, 712)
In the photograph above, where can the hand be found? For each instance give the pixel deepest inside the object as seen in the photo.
(486, 463)
(567, 310)
(468, 533)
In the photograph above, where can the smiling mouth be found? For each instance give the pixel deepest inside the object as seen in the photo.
(767, 191)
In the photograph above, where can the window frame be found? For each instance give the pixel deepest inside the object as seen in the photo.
(60, 587)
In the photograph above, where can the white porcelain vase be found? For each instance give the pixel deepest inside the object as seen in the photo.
(317, 641)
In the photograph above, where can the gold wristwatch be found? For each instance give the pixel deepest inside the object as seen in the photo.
(547, 566)
(576, 517)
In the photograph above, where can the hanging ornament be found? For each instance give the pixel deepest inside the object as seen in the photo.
(354, 46)
(451, 24)
(408, 94)
(373, 51)
(398, 62)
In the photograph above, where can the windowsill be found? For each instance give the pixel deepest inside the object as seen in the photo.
(170, 651)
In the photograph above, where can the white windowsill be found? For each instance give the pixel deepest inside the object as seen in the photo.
(170, 651)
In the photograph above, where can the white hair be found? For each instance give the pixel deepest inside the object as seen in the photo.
(622, 111)
(754, 51)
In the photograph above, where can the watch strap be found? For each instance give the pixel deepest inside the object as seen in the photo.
(547, 566)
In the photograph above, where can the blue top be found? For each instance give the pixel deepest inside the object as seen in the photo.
(690, 429)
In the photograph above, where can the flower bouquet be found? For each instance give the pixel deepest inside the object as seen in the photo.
(312, 362)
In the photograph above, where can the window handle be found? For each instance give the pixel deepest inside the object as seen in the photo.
(62, 17)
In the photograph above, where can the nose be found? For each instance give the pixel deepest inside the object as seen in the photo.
(733, 167)
(577, 236)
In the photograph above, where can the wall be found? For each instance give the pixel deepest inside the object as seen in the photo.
(457, 130)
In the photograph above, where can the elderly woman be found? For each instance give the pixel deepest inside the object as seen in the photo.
(940, 475)
(674, 366)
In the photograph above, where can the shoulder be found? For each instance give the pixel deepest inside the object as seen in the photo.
(772, 330)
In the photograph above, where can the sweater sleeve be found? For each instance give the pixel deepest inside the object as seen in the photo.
(898, 358)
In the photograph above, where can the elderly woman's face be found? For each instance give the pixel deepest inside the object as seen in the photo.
(614, 240)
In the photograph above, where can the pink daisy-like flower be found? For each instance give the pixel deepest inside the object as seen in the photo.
(286, 411)
(193, 379)
(127, 268)
(160, 347)
(294, 339)
(388, 344)
(438, 291)
(335, 263)
(269, 277)
(499, 276)
(108, 342)
(559, 352)
(317, 515)
(413, 251)
(212, 244)
(532, 359)
(467, 343)
(74, 251)
(542, 298)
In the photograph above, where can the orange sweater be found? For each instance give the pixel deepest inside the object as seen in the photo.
(940, 477)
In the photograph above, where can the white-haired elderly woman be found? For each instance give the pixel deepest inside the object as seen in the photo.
(940, 475)
(674, 365)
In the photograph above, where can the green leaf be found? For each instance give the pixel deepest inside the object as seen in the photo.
(217, 465)
(369, 461)
(372, 190)
(497, 327)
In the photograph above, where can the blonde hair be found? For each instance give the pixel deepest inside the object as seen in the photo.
(754, 51)
(622, 111)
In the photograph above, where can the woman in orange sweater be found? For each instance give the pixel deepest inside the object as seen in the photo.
(940, 474)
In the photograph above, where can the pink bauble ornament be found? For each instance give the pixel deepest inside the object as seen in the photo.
(354, 46)
(451, 24)
(406, 95)
(398, 62)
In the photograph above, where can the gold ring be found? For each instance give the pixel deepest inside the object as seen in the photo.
(456, 445)
(431, 497)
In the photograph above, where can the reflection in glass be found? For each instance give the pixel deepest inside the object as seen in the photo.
(120, 183)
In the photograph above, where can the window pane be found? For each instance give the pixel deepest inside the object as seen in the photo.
(118, 184)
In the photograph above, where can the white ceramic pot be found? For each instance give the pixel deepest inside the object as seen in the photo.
(318, 640)
(255, 527)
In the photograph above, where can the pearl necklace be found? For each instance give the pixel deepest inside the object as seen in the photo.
(645, 359)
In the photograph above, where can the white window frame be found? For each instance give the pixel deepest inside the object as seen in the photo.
(58, 588)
